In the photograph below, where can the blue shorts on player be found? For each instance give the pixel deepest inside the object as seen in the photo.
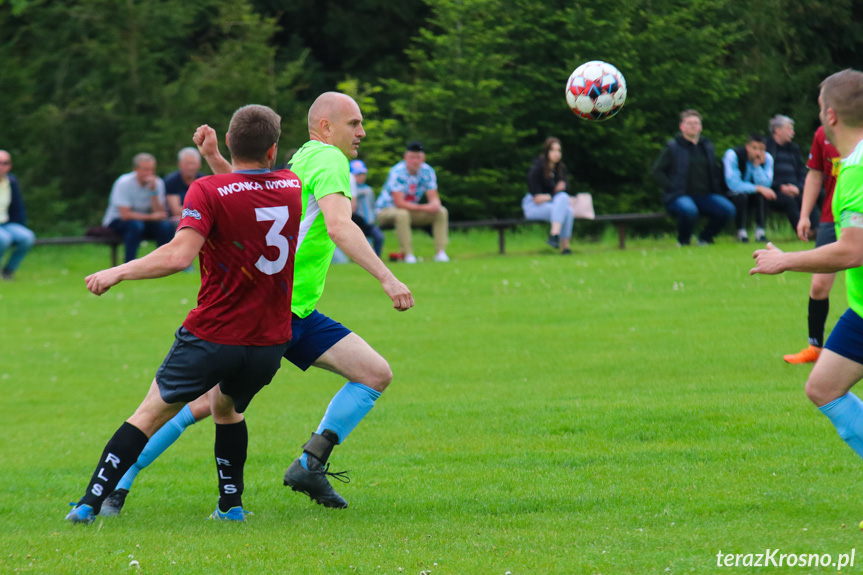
(311, 337)
(846, 339)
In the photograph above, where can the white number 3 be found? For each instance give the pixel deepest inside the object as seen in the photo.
(279, 217)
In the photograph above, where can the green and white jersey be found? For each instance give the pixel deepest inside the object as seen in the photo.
(848, 211)
(323, 170)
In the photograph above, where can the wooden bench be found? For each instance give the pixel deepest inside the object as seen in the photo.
(618, 220)
(113, 242)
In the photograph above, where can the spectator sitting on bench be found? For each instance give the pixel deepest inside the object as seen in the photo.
(688, 174)
(177, 182)
(748, 176)
(363, 203)
(136, 208)
(13, 219)
(547, 198)
(398, 205)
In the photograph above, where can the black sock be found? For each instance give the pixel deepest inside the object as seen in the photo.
(232, 440)
(120, 453)
(818, 310)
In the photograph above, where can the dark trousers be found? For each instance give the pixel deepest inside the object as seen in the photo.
(791, 208)
(371, 231)
(133, 231)
(743, 203)
(686, 209)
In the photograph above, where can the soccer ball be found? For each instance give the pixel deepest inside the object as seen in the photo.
(596, 91)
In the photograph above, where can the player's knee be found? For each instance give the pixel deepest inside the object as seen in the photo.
(817, 393)
(380, 376)
(820, 289)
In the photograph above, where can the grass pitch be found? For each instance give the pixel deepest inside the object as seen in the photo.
(610, 412)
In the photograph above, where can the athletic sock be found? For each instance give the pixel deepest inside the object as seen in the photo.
(818, 311)
(846, 413)
(345, 411)
(232, 441)
(161, 440)
(120, 453)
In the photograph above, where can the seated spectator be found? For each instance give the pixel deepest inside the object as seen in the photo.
(177, 183)
(789, 171)
(687, 172)
(363, 204)
(136, 207)
(748, 175)
(547, 198)
(399, 203)
(13, 219)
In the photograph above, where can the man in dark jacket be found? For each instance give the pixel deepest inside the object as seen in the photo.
(789, 171)
(13, 219)
(687, 171)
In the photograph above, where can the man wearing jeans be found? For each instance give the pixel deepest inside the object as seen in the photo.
(689, 176)
(13, 219)
(136, 208)
(399, 203)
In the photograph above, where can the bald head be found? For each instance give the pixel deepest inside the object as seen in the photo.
(335, 119)
(327, 106)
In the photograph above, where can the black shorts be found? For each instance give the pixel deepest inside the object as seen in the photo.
(194, 366)
(826, 234)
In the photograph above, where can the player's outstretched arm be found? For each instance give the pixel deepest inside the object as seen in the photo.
(208, 145)
(350, 239)
(843, 254)
(171, 258)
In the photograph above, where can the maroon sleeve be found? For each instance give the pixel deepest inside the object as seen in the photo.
(197, 211)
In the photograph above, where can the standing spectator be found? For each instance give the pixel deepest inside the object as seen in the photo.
(823, 164)
(13, 219)
(399, 203)
(789, 171)
(177, 183)
(547, 198)
(748, 175)
(687, 172)
(363, 205)
(136, 209)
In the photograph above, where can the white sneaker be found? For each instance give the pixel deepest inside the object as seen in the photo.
(441, 257)
(410, 259)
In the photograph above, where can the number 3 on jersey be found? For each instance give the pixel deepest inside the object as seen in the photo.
(279, 216)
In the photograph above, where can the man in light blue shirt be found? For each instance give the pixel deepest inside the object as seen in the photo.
(399, 203)
(748, 172)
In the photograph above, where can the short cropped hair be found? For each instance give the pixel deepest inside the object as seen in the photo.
(843, 91)
(253, 130)
(688, 114)
(755, 137)
(778, 121)
(143, 157)
(190, 151)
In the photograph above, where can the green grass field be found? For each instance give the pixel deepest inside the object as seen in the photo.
(610, 412)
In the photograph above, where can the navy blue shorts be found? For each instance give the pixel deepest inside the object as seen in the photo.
(826, 234)
(311, 336)
(194, 366)
(846, 339)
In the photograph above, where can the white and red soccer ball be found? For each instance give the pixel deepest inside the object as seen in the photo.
(596, 91)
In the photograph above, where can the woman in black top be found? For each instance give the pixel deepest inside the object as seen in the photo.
(547, 198)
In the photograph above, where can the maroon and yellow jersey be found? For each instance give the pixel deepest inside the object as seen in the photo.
(824, 157)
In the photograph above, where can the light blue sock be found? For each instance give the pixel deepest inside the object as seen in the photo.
(161, 440)
(846, 413)
(345, 411)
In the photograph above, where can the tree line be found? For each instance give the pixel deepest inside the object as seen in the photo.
(87, 84)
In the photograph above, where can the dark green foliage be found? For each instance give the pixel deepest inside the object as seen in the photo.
(89, 83)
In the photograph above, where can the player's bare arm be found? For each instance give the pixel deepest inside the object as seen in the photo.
(845, 253)
(208, 145)
(350, 239)
(171, 258)
(811, 189)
